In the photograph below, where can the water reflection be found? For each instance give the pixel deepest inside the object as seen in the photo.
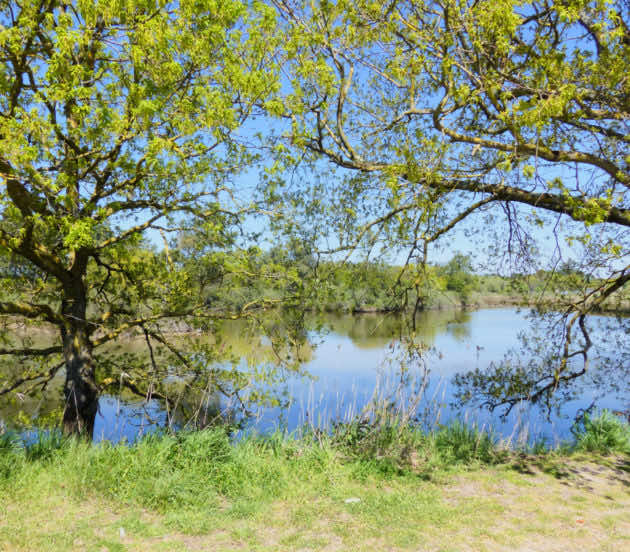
(375, 331)
(351, 356)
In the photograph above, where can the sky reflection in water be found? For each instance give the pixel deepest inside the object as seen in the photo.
(352, 356)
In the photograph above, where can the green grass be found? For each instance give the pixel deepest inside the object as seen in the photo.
(285, 492)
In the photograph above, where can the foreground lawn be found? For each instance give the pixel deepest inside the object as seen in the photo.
(584, 505)
(201, 492)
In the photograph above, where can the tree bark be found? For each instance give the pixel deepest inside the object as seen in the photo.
(80, 389)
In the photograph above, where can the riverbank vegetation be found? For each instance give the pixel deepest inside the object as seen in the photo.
(356, 487)
(293, 271)
(376, 286)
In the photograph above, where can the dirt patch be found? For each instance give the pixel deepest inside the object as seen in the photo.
(571, 506)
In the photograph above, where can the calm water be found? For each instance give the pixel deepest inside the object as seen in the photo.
(354, 355)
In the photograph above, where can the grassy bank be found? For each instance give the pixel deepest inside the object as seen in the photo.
(359, 489)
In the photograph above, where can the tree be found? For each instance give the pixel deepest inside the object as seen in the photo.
(441, 109)
(459, 277)
(118, 120)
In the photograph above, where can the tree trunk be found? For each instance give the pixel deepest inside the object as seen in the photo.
(80, 390)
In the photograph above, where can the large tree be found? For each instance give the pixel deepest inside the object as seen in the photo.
(443, 109)
(118, 123)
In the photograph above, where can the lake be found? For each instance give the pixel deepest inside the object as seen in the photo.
(352, 355)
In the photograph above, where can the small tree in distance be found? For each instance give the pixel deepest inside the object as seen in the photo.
(459, 276)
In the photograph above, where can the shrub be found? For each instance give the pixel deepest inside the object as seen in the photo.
(605, 433)
(458, 443)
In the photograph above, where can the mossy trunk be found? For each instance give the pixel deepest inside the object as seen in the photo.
(80, 389)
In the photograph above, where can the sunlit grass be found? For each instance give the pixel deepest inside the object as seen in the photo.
(288, 491)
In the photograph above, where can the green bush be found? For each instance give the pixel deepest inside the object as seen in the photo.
(604, 433)
(47, 444)
(458, 443)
